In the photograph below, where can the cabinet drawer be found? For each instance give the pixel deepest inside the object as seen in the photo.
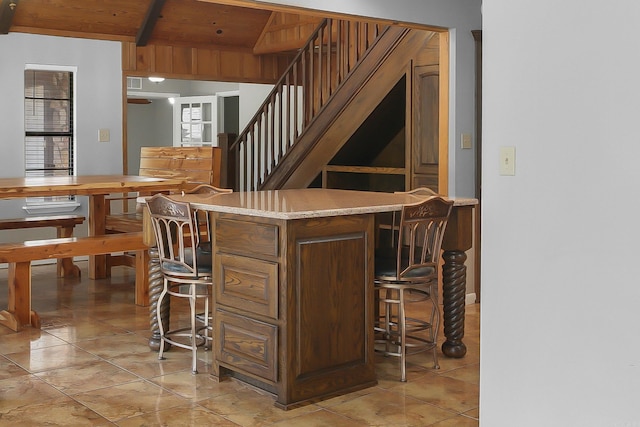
(247, 284)
(247, 345)
(243, 237)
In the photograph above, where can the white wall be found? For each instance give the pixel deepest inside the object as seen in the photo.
(98, 103)
(252, 95)
(560, 294)
(461, 17)
(148, 125)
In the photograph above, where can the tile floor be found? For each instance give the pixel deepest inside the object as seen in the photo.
(91, 365)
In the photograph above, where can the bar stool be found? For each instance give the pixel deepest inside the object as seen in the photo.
(186, 271)
(204, 246)
(407, 273)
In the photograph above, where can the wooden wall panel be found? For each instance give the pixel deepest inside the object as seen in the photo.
(145, 59)
(182, 60)
(202, 64)
(430, 54)
(164, 59)
(286, 32)
(231, 64)
(208, 62)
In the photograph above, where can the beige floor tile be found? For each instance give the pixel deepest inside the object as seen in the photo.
(112, 346)
(24, 390)
(346, 397)
(129, 400)
(137, 323)
(63, 317)
(446, 393)
(248, 407)
(43, 359)
(62, 411)
(196, 387)
(320, 418)
(187, 416)
(9, 369)
(388, 408)
(86, 330)
(457, 421)
(388, 370)
(474, 413)
(467, 373)
(147, 365)
(26, 339)
(92, 376)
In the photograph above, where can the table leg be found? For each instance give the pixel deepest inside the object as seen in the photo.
(454, 280)
(97, 218)
(156, 284)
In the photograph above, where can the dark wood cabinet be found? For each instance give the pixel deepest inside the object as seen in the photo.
(293, 304)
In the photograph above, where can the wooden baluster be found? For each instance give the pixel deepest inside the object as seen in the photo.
(329, 88)
(298, 120)
(339, 60)
(288, 141)
(319, 79)
(257, 142)
(248, 164)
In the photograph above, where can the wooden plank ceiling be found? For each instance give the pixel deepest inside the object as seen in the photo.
(189, 23)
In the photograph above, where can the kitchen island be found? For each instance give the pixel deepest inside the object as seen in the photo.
(293, 299)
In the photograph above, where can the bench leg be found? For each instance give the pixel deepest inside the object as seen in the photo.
(19, 311)
(66, 267)
(142, 278)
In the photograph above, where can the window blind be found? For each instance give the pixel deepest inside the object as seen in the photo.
(48, 110)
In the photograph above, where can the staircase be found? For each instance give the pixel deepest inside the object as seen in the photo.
(333, 84)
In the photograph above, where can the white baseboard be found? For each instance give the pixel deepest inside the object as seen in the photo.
(470, 298)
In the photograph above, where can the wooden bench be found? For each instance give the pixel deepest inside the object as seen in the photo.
(64, 225)
(196, 165)
(20, 255)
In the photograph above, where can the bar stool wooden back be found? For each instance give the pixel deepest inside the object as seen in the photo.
(202, 217)
(407, 273)
(186, 271)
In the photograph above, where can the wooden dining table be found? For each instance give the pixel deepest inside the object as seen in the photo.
(96, 188)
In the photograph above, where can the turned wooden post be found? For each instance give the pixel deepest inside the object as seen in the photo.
(458, 238)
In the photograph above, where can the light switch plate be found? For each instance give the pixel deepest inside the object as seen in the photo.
(103, 135)
(465, 140)
(507, 161)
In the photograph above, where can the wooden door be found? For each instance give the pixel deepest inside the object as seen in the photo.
(425, 145)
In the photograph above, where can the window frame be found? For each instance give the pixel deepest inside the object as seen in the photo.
(39, 205)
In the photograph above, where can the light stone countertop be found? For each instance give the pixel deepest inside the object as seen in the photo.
(305, 203)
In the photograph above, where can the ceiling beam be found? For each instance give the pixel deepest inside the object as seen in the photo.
(7, 9)
(153, 13)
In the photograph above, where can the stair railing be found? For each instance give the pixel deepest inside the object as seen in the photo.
(317, 71)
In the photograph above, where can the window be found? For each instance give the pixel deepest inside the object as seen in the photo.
(49, 125)
(195, 121)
